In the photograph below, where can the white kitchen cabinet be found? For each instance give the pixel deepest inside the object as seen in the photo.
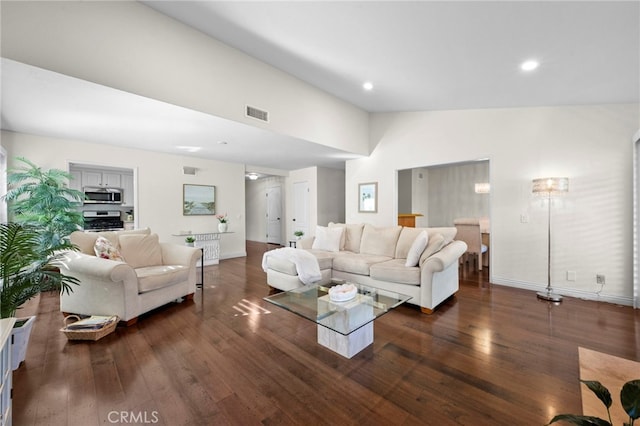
(127, 189)
(76, 182)
(101, 179)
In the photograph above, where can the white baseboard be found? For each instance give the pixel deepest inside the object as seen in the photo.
(232, 255)
(570, 292)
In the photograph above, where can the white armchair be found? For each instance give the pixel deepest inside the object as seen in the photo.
(151, 274)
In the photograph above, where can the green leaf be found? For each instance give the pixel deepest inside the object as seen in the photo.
(600, 391)
(580, 420)
(630, 398)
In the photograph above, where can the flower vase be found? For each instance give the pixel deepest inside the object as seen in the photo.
(222, 227)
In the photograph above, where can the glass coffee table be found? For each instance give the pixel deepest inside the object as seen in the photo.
(344, 327)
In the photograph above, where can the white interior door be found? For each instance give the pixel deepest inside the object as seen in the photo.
(301, 207)
(274, 215)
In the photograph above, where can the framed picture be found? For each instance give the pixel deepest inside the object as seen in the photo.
(198, 200)
(368, 197)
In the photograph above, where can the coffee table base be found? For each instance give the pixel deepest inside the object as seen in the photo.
(349, 345)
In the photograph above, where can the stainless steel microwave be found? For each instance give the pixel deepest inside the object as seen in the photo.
(102, 195)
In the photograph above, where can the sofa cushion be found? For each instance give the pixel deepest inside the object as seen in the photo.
(327, 239)
(160, 276)
(380, 241)
(325, 259)
(141, 250)
(394, 271)
(105, 250)
(417, 247)
(435, 244)
(356, 263)
(351, 236)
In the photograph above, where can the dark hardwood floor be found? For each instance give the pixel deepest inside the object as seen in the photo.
(491, 355)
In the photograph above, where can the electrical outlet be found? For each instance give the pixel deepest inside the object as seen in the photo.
(600, 279)
(571, 275)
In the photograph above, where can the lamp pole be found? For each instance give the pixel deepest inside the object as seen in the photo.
(548, 294)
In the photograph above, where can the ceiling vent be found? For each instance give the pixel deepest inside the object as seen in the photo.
(256, 113)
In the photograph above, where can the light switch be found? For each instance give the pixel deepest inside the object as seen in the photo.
(524, 218)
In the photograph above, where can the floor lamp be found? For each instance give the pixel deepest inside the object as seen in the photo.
(548, 187)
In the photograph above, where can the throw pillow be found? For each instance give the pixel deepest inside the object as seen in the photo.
(418, 246)
(328, 239)
(105, 250)
(141, 250)
(434, 245)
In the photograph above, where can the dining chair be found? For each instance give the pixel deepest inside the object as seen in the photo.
(469, 232)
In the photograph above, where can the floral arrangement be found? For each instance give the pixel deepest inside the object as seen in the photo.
(222, 218)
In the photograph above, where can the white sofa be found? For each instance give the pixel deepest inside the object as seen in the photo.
(150, 275)
(377, 256)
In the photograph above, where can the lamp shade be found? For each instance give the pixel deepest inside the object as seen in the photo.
(482, 188)
(550, 185)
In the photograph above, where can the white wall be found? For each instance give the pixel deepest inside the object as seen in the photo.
(589, 144)
(160, 181)
(131, 47)
(330, 195)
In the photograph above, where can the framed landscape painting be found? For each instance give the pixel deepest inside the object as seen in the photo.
(368, 197)
(198, 200)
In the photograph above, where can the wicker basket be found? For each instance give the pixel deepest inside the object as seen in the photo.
(91, 334)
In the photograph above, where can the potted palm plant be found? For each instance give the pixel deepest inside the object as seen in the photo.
(42, 198)
(25, 271)
(46, 210)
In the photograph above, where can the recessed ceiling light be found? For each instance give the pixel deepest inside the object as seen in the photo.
(189, 148)
(529, 65)
(367, 85)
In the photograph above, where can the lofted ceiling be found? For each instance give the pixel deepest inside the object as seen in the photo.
(437, 55)
(419, 55)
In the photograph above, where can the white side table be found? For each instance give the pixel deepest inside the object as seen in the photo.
(209, 242)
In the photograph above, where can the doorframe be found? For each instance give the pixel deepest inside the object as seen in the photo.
(636, 219)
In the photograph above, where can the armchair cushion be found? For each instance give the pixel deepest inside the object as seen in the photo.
(155, 277)
(141, 250)
(86, 241)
